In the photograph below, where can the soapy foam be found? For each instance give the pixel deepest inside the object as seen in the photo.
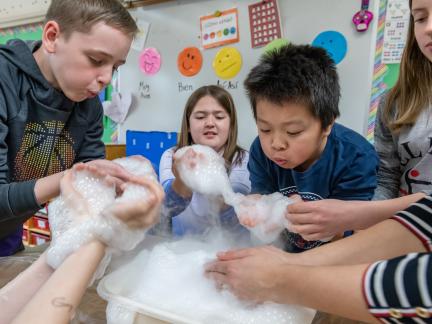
(72, 227)
(170, 278)
(209, 176)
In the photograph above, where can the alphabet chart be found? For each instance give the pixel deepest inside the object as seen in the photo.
(264, 22)
(395, 31)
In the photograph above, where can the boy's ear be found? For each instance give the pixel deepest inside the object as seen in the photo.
(50, 34)
(327, 130)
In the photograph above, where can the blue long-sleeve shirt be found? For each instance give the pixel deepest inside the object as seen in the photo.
(345, 170)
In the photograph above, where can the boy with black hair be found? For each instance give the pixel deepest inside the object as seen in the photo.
(294, 93)
(50, 116)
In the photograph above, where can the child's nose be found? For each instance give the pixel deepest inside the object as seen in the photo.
(278, 143)
(429, 25)
(105, 76)
(209, 121)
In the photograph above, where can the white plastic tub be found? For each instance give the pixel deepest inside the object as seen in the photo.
(119, 285)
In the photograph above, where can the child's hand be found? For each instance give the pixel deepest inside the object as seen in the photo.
(322, 219)
(73, 199)
(119, 174)
(143, 212)
(246, 211)
(189, 161)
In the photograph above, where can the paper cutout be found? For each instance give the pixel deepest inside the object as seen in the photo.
(334, 43)
(118, 107)
(150, 61)
(189, 61)
(227, 63)
(395, 31)
(392, 75)
(220, 29)
(264, 21)
(275, 44)
(141, 35)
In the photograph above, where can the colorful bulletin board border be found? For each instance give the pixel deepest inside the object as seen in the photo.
(220, 28)
(24, 32)
(380, 69)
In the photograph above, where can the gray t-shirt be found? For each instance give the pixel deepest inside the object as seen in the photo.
(405, 157)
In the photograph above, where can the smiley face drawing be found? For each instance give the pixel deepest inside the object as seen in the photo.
(150, 61)
(334, 43)
(227, 63)
(189, 61)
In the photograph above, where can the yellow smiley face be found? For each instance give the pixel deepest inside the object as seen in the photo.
(227, 63)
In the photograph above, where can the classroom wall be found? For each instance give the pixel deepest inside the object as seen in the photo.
(20, 12)
(158, 100)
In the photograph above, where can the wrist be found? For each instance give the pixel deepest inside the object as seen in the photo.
(181, 189)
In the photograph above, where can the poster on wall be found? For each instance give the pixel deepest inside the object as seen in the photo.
(264, 21)
(220, 28)
(395, 31)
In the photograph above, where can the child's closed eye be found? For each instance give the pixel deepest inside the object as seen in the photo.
(95, 61)
(294, 133)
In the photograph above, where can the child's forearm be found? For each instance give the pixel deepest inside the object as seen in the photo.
(385, 240)
(322, 288)
(20, 290)
(373, 212)
(47, 188)
(57, 300)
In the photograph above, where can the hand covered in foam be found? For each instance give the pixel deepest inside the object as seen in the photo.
(120, 222)
(78, 202)
(203, 170)
(263, 215)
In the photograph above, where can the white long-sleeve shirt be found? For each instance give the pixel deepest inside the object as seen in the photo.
(196, 215)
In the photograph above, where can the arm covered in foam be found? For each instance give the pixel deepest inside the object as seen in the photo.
(174, 203)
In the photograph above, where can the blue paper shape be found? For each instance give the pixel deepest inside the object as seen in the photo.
(150, 144)
(334, 43)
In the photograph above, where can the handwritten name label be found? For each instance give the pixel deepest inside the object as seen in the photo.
(228, 85)
(144, 90)
(184, 87)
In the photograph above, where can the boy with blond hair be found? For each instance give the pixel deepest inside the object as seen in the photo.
(50, 115)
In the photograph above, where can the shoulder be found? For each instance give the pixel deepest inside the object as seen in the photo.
(241, 159)
(90, 109)
(256, 149)
(381, 107)
(167, 155)
(344, 137)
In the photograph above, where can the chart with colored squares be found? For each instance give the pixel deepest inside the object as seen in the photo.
(264, 22)
(220, 28)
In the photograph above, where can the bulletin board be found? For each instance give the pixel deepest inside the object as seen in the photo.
(26, 32)
(158, 100)
(384, 75)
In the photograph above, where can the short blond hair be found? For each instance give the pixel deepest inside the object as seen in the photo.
(81, 15)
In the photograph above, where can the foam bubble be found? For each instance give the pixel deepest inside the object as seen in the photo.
(205, 172)
(72, 226)
(170, 278)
